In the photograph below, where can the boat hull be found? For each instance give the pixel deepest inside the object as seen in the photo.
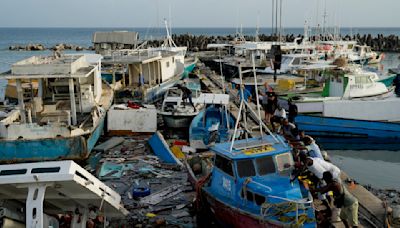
(340, 133)
(229, 216)
(71, 148)
(177, 121)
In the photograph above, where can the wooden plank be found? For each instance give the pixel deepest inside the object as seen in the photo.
(370, 206)
(109, 144)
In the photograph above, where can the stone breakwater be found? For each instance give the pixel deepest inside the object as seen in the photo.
(382, 43)
(199, 43)
(41, 47)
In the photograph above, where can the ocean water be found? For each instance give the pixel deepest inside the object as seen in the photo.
(83, 36)
(378, 168)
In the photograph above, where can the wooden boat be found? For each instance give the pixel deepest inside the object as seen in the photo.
(64, 119)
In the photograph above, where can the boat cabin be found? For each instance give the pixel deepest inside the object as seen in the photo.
(357, 84)
(149, 70)
(254, 176)
(63, 96)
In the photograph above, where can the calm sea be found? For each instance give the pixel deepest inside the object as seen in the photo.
(83, 36)
(378, 168)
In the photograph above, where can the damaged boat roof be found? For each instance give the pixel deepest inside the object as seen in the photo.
(68, 186)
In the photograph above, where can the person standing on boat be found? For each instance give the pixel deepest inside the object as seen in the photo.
(343, 199)
(187, 95)
(293, 111)
(246, 94)
(264, 93)
(272, 103)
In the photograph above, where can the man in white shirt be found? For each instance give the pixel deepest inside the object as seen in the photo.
(279, 116)
(318, 166)
(313, 149)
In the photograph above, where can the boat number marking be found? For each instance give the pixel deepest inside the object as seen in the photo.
(259, 150)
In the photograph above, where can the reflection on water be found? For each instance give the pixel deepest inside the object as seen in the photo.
(380, 169)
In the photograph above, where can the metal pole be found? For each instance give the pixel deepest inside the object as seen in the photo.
(280, 22)
(273, 16)
(21, 103)
(243, 99)
(276, 17)
(236, 125)
(220, 68)
(256, 88)
(72, 98)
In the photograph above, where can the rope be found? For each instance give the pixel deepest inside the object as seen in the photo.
(199, 185)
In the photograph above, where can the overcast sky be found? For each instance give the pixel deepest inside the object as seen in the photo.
(194, 13)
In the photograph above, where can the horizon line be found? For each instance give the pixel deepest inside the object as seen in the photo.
(194, 27)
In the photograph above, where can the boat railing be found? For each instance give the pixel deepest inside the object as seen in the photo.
(288, 205)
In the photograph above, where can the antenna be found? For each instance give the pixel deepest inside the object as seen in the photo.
(258, 27)
(170, 19)
(324, 22)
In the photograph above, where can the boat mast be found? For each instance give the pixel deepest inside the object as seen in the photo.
(256, 88)
(169, 42)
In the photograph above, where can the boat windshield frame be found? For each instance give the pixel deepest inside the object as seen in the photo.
(282, 164)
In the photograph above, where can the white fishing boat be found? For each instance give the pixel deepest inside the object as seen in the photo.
(176, 112)
(354, 85)
(64, 118)
(150, 71)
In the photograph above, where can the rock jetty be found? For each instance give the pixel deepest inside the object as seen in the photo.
(380, 42)
(41, 47)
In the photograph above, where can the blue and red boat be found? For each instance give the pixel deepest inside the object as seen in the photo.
(249, 186)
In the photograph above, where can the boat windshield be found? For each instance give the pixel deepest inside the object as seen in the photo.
(224, 164)
(286, 60)
(246, 168)
(265, 165)
(284, 163)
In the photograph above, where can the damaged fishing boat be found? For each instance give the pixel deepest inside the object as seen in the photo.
(250, 184)
(212, 125)
(64, 118)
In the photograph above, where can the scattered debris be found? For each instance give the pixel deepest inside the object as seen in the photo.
(155, 193)
(109, 144)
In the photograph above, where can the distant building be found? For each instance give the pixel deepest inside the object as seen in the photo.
(106, 42)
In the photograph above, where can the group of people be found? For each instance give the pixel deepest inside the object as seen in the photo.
(325, 179)
(274, 112)
(325, 176)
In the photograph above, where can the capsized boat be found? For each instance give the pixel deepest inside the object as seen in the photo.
(65, 118)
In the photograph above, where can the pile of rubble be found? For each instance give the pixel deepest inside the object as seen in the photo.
(155, 194)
